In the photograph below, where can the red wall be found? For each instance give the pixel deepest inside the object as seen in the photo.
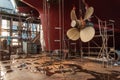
(106, 9)
(50, 20)
(57, 18)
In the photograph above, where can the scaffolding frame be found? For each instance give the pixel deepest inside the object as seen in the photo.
(105, 34)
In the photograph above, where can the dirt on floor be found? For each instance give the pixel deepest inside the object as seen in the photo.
(46, 68)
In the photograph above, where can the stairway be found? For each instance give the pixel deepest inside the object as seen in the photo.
(36, 39)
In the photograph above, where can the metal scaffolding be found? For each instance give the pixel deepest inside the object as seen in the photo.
(103, 42)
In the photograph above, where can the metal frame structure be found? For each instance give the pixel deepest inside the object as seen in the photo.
(103, 41)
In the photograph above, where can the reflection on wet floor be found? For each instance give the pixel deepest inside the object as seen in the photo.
(43, 68)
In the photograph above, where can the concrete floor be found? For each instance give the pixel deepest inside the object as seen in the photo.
(42, 67)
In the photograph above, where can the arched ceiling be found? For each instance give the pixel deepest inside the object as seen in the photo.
(37, 4)
(104, 9)
(25, 8)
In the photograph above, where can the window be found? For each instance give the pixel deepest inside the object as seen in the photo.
(5, 24)
(5, 27)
